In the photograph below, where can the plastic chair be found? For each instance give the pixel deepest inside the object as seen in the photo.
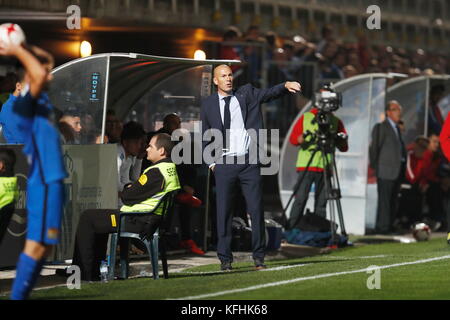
(152, 244)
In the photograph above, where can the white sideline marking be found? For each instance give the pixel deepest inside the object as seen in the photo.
(283, 267)
(355, 257)
(219, 272)
(287, 267)
(326, 275)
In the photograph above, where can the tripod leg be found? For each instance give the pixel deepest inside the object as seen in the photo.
(295, 190)
(328, 191)
(338, 201)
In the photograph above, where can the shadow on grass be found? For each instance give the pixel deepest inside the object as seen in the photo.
(247, 269)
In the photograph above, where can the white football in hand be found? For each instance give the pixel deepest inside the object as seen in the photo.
(11, 33)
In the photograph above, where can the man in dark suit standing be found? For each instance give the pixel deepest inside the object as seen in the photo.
(234, 112)
(388, 158)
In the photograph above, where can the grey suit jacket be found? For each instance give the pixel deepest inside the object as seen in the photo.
(385, 151)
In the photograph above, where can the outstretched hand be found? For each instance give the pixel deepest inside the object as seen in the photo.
(293, 86)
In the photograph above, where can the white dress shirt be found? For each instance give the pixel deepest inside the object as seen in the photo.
(239, 137)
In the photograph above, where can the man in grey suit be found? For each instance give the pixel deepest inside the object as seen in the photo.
(388, 158)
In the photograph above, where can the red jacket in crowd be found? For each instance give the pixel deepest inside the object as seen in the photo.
(417, 168)
(433, 161)
(445, 138)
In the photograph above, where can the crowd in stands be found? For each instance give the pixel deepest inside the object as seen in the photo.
(335, 59)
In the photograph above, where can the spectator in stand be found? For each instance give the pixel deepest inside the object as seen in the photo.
(415, 185)
(113, 127)
(292, 62)
(253, 54)
(327, 36)
(253, 34)
(353, 60)
(363, 51)
(340, 61)
(349, 71)
(272, 45)
(306, 51)
(328, 70)
(231, 51)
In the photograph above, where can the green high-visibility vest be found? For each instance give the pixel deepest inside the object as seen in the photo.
(171, 183)
(304, 155)
(8, 191)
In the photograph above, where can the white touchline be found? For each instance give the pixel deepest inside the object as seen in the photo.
(289, 266)
(283, 267)
(220, 272)
(326, 275)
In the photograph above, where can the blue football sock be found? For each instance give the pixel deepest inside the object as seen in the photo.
(27, 272)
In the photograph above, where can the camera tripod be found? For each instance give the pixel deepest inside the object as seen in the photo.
(331, 182)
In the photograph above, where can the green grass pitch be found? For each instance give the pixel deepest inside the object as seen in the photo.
(341, 274)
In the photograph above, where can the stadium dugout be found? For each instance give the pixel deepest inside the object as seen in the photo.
(136, 87)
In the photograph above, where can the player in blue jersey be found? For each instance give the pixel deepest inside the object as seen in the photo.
(45, 194)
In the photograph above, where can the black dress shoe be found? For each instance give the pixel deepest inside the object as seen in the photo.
(226, 266)
(259, 265)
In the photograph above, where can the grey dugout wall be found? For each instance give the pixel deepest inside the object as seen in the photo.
(91, 184)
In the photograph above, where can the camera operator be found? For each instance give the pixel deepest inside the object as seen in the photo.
(318, 126)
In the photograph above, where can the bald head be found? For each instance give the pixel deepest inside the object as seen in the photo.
(219, 69)
(223, 79)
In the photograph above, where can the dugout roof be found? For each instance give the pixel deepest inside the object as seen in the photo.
(136, 86)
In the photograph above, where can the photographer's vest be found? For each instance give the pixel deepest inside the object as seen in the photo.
(304, 155)
(8, 191)
(171, 183)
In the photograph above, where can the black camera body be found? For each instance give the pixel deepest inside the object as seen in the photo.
(326, 101)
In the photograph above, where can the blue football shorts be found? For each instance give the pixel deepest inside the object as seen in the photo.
(45, 210)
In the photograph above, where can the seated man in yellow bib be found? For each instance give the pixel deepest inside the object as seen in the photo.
(141, 196)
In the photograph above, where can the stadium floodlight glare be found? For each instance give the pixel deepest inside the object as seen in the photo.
(299, 39)
(85, 49)
(200, 55)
